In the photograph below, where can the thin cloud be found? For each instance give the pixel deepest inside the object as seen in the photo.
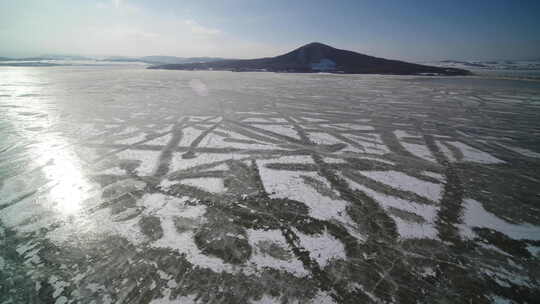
(122, 28)
(197, 28)
(117, 3)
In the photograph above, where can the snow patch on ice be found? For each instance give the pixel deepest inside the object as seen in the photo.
(534, 250)
(352, 126)
(475, 155)
(314, 120)
(266, 299)
(406, 229)
(323, 247)
(214, 140)
(149, 159)
(476, 216)
(210, 184)
(265, 119)
(522, 151)
(322, 138)
(378, 159)
(322, 297)
(419, 150)
(333, 160)
(261, 260)
(132, 140)
(400, 134)
(446, 151)
(410, 230)
(289, 159)
(434, 175)
(190, 299)
(405, 182)
(369, 145)
(162, 140)
(291, 185)
(500, 300)
(167, 208)
(280, 129)
(128, 130)
(179, 163)
(164, 129)
(112, 171)
(189, 134)
(370, 137)
(199, 118)
(166, 184)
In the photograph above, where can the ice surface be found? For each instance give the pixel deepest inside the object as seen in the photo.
(86, 189)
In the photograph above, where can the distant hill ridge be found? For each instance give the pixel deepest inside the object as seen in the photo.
(164, 59)
(318, 57)
(144, 59)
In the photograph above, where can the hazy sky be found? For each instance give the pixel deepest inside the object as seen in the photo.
(402, 29)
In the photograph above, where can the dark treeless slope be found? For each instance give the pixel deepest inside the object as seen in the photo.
(318, 57)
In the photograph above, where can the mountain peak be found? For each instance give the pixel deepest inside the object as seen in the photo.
(312, 54)
(316, 45)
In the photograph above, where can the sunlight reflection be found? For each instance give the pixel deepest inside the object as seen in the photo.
(199, 87)
(70, 187)
(49, 150)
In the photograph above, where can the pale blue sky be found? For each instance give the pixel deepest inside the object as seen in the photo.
(409, 30)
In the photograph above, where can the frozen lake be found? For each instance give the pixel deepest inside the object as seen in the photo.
(125, 185)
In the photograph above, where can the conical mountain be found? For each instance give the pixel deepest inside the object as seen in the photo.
(319, 57)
